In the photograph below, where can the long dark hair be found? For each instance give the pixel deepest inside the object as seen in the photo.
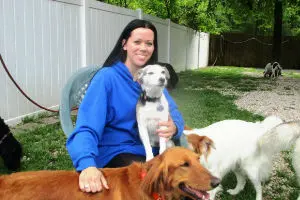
(119, 54)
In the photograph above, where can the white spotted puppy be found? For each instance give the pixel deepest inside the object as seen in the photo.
(152, 106)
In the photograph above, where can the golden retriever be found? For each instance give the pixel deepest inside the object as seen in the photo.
(174, 174)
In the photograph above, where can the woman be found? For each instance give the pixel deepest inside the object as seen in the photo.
(106, 133)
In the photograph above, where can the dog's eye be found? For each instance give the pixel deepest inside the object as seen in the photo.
(186, 164)
(163, 72)
(150, 73)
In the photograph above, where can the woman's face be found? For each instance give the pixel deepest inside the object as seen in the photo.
(139, 47)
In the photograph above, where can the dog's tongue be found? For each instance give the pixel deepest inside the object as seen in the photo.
(201, 195)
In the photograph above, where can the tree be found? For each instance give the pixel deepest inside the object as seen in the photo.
(276, 51)
(216, 16)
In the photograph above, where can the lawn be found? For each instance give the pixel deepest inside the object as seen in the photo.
(203, 96)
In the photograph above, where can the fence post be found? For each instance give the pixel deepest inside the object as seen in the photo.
(169, 41)
(187, 39)
(199, 43)
(204, 49)
(139, 13)
(83, 30)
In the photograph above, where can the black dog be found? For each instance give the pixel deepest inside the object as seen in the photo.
(173, 76)
(10, 148)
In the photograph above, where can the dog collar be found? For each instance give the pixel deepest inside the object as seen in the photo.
(4, 137)
(155, 195)
(145, 98)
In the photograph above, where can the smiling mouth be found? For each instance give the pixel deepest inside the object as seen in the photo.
(197, 194)
(142, 56)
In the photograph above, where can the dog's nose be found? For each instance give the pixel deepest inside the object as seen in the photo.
(162, 80)
(214, 182)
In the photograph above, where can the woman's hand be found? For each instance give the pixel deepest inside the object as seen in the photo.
(167, 129)
(91, 179)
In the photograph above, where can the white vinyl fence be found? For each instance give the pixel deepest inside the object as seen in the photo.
(44, 41)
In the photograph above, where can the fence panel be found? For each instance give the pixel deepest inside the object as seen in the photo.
(203, 49)
(105, 23)
(192, 49)
(162, 36)
(178, 49)
(243, 50)
(40, 45)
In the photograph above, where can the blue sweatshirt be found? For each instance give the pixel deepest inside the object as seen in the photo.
(106, 122)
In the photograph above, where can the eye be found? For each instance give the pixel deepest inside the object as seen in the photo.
(150, 73)
(149, 44)
(163, 72)
(186, 164)
(137, 42)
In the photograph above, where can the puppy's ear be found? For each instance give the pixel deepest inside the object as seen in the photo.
(138, 76)
(167, 73)
(156, 179)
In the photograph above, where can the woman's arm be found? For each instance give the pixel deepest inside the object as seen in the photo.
(82, 144)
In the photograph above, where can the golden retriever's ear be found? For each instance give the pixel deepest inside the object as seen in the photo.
(156, 179)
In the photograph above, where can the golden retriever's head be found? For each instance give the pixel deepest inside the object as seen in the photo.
(178, 172)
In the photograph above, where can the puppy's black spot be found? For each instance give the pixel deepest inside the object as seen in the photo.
(173, 76)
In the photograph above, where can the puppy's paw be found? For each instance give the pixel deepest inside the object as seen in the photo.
(161, 150)
(149, 157)
(163, 128)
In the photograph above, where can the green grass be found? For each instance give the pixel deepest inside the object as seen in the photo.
(199, 98)
(203, 96)
(43, 148)
(36, 118)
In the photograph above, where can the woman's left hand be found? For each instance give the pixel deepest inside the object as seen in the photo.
(167, 129)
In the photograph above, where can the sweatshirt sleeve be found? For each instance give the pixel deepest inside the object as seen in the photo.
(82, 144)
(175, 114)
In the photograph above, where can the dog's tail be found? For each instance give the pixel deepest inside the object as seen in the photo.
(279, 138)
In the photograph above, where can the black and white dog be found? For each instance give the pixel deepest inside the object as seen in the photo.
(10, 148)
(152, 106)
(273, 70)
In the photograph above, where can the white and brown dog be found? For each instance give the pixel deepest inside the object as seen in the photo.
(246, 148)
(152, 107)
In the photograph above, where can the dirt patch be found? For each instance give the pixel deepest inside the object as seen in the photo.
(282, 100)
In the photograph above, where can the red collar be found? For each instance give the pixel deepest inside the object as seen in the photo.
(155, 195)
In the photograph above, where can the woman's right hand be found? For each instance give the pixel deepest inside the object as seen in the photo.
(91, 179)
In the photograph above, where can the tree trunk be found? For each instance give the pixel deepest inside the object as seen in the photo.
(277, 34)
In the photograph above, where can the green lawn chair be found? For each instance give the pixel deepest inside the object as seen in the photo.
(73, 93)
